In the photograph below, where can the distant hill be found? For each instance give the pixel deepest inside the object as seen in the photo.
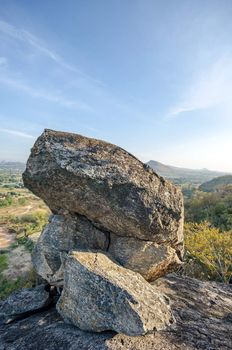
(182, 175)
(19, 166)
(216, 184)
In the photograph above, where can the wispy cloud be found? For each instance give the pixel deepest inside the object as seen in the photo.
(89, 87)
(42, 94)
(210, 88)
(35, 42)
(27, 37)
(17, 133)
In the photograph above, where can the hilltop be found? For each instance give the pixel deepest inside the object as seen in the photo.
(216, 184)
(181, 175)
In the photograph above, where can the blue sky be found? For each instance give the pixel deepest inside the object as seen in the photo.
(154, 77)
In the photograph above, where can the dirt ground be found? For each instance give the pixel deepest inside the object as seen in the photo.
(19, 263)
(6, 238)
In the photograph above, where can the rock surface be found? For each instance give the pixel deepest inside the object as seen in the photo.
(100, 295)
(64, 233)
(106, 184)
(150, 259)
(103, 199)
(122, 220)
(25, 301)
(203, 313)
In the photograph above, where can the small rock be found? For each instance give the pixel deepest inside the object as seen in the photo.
(100, 295)
(25, 301)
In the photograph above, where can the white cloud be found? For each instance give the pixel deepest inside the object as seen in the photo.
(17, 133)
(210, 88)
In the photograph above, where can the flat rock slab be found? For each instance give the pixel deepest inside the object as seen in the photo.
(100, 295)
(107, 185)
(25, 301)
(203, 313)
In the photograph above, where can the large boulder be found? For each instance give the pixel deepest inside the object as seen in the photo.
(107, 185)
(100, 295)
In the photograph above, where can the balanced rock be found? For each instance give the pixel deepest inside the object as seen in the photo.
(103, 199)
(100, 295)
(123, 222)
(106, 184)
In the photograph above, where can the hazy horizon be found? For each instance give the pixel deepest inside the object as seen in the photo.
(154, 77)
(145, 161)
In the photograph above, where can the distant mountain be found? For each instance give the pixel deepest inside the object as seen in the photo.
(216, 184)
(181, 175)
(5, 165)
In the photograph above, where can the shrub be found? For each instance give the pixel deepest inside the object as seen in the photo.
(29, 223)
(210, 249)
(7, 201)
(22, 201)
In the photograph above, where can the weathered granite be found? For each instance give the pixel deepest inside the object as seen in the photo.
(100, 295)
(103, 199)
(203, 312)
(150, 259)
(63, 233)
(23, 302)
(106, 184)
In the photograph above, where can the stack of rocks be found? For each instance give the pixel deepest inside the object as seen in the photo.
(116, 226)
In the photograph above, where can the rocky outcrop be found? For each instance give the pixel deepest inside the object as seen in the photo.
(97, 192)
(203, 313)
(104, 201)
(122, 300)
